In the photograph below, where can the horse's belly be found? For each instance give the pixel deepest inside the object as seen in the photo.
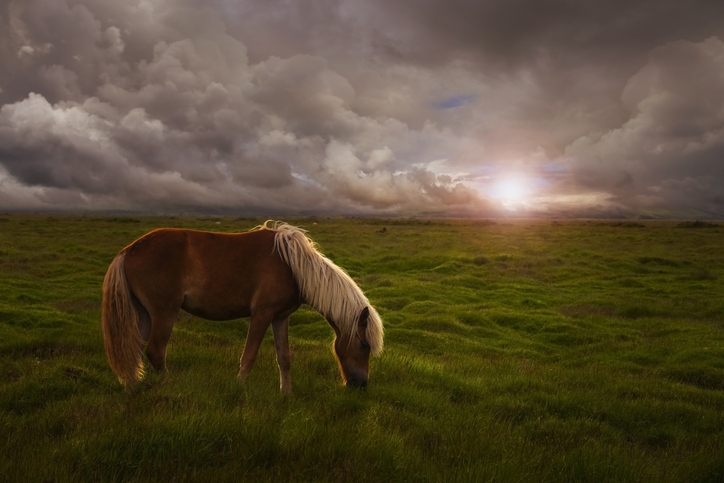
(210, 311)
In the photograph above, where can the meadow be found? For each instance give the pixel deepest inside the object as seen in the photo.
(515, 351)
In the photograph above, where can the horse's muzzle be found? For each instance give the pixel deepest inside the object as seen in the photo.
(361, 384)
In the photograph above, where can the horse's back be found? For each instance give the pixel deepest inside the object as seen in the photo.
(174, 248)
(212, 275)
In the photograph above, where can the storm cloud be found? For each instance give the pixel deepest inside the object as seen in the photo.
(340, 106)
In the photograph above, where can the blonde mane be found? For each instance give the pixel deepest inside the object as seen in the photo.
(324, 286)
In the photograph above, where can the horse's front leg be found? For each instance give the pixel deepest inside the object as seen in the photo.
(280, 327)
(257, 328)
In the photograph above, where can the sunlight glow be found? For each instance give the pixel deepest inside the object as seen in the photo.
(511, 191)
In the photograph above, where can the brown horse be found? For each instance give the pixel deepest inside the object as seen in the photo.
(266, 274)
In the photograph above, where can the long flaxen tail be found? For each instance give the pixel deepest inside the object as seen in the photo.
(123, 342)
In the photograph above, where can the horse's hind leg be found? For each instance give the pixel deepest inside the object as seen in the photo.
(161, 327)
(144, 321)
(280, 327)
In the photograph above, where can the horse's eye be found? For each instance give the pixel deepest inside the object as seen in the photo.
(365, 345)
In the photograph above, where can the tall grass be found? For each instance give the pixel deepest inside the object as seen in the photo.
(515, 351)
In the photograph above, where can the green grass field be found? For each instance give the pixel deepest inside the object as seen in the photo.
(516, 351)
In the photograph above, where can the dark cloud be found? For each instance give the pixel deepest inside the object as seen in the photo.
(515, 32)
(668, 153)
(351, 106)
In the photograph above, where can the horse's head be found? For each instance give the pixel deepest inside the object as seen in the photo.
(353, 353)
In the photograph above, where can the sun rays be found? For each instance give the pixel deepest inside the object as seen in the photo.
(511, 191)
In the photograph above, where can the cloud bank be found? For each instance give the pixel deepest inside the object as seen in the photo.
(339, 106)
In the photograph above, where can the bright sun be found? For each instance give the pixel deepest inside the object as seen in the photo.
(512, 190)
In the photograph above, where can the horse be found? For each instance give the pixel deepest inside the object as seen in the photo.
(265, 274)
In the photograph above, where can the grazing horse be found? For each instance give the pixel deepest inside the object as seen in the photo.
(266, 274)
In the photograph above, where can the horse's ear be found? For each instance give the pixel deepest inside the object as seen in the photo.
(363, 318)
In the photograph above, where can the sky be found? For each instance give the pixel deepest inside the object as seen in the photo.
(551, 108)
